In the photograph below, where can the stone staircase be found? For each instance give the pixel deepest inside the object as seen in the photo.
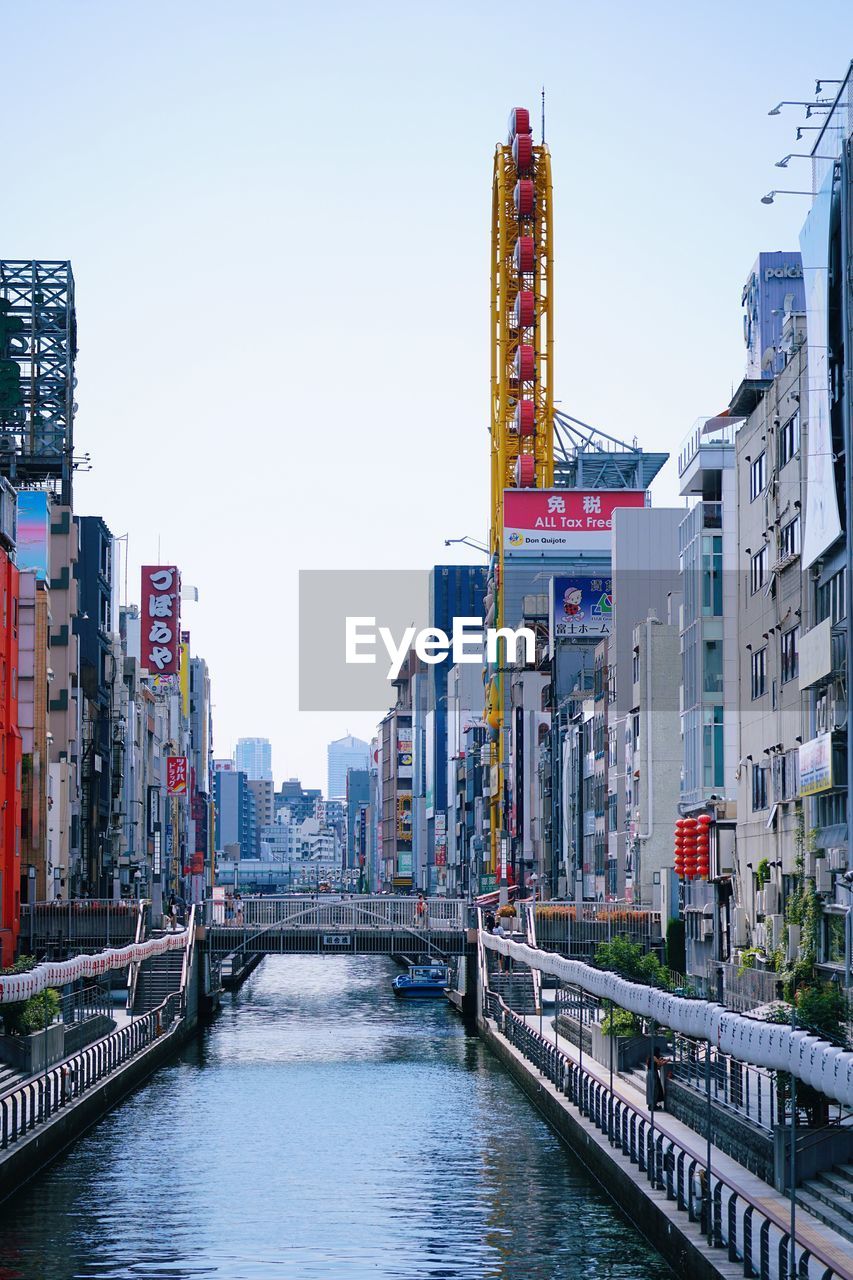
(829, 1197)
(158, 977)
(9, 1077)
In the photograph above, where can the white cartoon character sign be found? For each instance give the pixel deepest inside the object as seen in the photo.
(573, 604)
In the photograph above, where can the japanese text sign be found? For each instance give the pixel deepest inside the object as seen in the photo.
(176, 775)
(559, 520)
(161, 619)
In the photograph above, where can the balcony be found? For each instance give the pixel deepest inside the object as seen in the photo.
(704, 448)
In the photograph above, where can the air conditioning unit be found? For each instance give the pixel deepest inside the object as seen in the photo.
(707, 926)
(759, 903)
(739, 929)
(777, 924)
(809, 865)
(837, 859)
(771, 899)
(823, 877)
(793, 942)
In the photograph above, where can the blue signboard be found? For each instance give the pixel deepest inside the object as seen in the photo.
(580, 608)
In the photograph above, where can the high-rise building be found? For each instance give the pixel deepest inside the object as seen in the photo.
(254, 758)
(298, 801)
(343, 754)
(358, 797)
(234, 832)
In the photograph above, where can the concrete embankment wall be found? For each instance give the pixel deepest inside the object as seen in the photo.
(680, 1242)
(30, 1155)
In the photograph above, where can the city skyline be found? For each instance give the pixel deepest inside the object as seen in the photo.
(687, 220)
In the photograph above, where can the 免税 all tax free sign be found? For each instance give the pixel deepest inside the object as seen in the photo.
(542, 520)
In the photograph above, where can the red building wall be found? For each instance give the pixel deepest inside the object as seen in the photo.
(10, 764)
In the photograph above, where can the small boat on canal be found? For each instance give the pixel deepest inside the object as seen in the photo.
(422, 981)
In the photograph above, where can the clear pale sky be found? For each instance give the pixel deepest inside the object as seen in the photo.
(278, 218)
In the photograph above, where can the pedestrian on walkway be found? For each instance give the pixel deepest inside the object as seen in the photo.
(655, 1096)
(422, 911)
(500, 932)
(238, 908)
(173, 913)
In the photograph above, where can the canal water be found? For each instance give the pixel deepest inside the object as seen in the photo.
(321, 1130)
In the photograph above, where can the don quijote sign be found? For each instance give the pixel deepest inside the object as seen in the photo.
(161, 619)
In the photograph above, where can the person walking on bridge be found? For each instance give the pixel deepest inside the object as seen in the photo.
(422, 912)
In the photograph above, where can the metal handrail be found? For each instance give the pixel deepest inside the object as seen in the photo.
(277, 924)
(133, 974)
(659, 1155)
(189, 953)
(34, 1101)
(397, 912)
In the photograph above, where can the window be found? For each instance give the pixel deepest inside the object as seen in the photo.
(759, 787)
(789, 539)
(829, 599)
(635, 666)
(713, 667)
(789, 439)
(759, 673)
(757, 476)
(759, 569)
(712, 576)
(790, 654)
(712, 747)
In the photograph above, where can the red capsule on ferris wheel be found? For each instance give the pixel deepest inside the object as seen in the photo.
(525, 471)
(519, 122)
(524, 421)
(524, 255)
(522, 153)
(524, 197)
(523, 309)
(524, 363)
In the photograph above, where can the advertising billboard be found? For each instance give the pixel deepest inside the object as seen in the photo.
(539, 521)
(816, 765)
(177, 774)
(161, 619)
(823, 523)
(404, 751)
(33, 548)
(404, 817)
(580, 607)
(185, 674)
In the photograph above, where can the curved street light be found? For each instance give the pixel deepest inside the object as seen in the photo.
(771, 195)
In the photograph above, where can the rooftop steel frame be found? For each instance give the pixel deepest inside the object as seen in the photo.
(38, 346)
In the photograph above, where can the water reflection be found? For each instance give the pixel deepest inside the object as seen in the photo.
(320, 1129)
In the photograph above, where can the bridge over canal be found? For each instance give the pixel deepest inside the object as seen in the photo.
(359, 925)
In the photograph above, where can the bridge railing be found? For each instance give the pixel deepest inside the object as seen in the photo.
(350, 914)
(84, 924)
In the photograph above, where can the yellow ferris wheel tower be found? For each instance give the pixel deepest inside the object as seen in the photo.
(522, 373)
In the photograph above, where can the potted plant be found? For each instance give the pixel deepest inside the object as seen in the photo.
(507, 917)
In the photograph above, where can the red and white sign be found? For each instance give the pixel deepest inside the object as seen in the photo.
(161, 619)
(543, 520)
(176, 775)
